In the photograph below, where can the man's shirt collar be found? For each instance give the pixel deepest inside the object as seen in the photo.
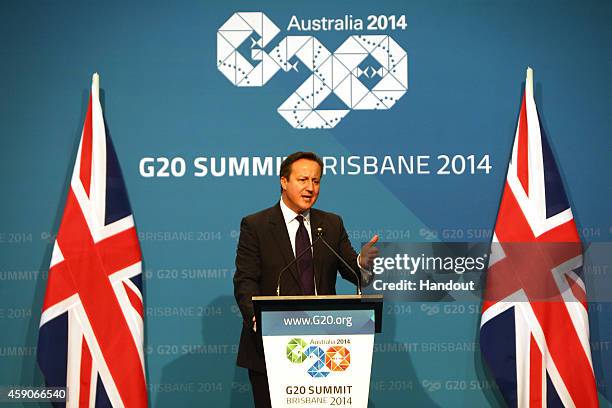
(289, 215)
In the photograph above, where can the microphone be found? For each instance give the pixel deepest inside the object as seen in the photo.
(297, 258)
(320, 236)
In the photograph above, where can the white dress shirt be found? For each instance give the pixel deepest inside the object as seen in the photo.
(292, 224)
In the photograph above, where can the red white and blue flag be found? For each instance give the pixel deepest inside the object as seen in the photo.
(534, 331)
(91, 329)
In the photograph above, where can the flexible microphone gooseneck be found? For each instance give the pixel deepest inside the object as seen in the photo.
(320, 237)
(297, 258)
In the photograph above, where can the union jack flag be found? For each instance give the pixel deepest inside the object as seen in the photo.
(534, 331)
(91, 329)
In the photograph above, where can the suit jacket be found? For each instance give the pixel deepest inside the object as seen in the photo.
(264, 249)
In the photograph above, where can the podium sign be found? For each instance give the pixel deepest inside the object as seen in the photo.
(319, 357)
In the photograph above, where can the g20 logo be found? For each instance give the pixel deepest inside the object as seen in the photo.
(333, 359)
(336, 72)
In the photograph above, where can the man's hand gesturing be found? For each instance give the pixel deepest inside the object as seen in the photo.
(368, 253)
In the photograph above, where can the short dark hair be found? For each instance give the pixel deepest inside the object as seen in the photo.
(285, 168)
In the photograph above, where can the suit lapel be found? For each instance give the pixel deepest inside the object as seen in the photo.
(316, 220)
(281, 236)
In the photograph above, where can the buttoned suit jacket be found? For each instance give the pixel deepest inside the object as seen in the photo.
(264, 249)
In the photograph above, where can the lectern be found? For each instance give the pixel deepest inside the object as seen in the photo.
(318, 349)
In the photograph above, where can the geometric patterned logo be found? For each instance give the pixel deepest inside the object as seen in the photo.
(295, 350)
(335, 359)
(318, 368)
(338, 72)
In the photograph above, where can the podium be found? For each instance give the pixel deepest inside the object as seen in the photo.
(318, 349)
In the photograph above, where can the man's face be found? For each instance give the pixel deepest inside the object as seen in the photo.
(301, 190)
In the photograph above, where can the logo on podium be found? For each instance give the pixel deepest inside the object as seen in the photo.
(336, 358)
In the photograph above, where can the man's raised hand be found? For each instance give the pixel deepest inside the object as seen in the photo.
(368, 253)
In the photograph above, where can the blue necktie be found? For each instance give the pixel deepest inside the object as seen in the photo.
(305, 263)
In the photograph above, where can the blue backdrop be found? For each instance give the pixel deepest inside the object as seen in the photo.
(163, 96)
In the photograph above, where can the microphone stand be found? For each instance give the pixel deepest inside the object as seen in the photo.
(320, 236)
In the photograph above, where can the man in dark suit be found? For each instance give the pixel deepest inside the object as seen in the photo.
(269, 241)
